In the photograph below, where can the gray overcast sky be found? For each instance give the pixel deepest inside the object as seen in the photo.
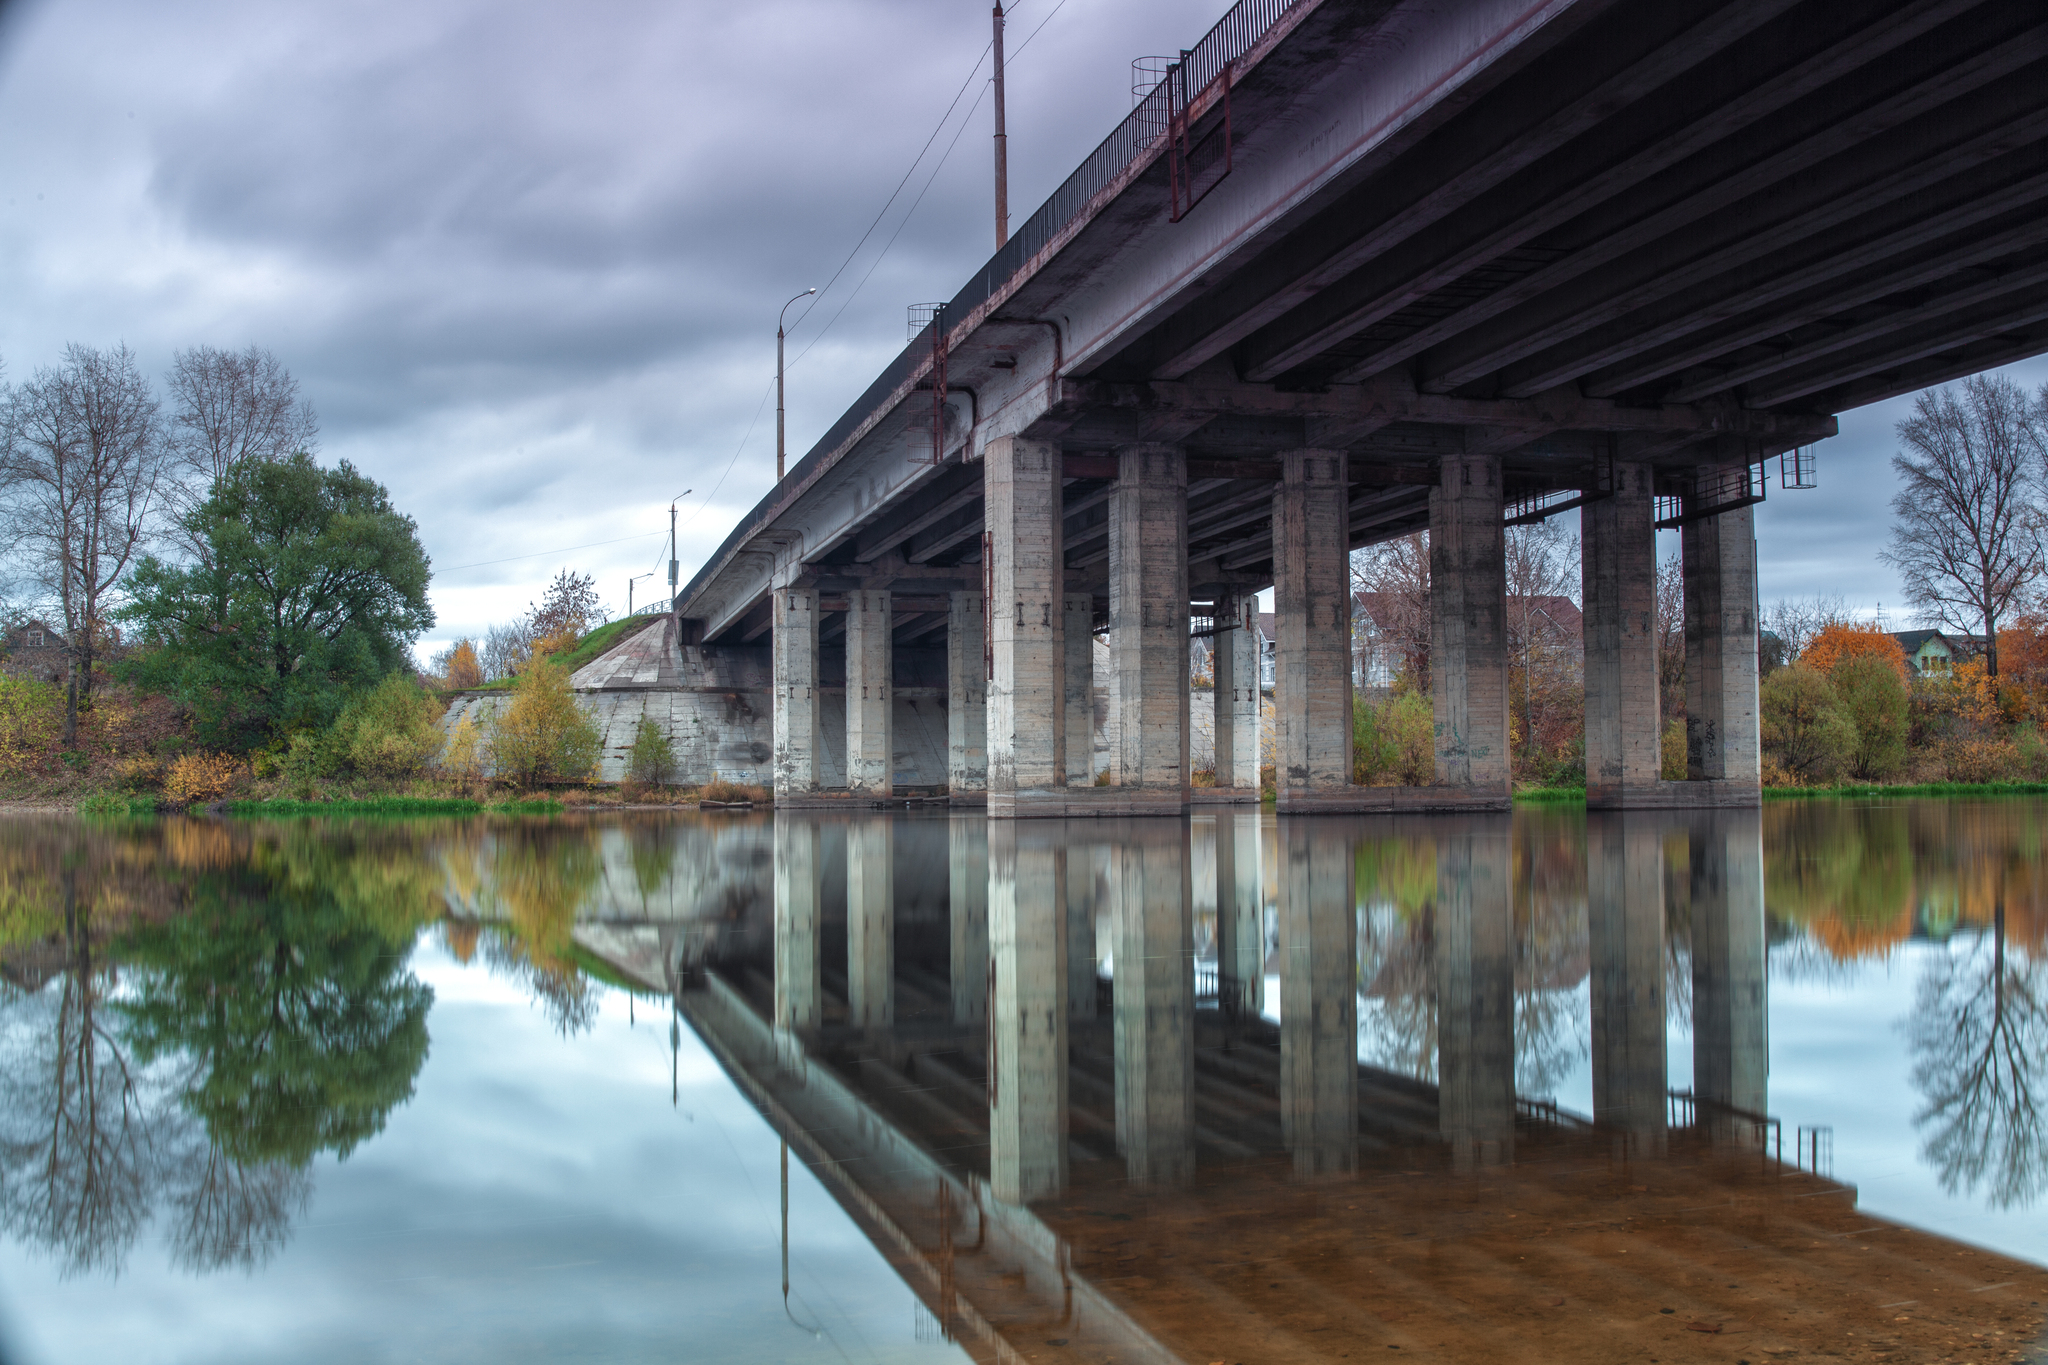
(526, 259)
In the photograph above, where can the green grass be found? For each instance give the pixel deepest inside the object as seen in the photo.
(588, 648)
(1551, 796)
(103, 805)
(393, 807)
(1919, 789)
(597, 969)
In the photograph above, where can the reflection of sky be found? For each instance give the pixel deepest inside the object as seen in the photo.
(538, 1199)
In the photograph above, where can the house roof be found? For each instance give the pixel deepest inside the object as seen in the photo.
(1913, 641)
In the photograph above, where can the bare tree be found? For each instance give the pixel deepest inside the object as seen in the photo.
(83, 458)
(1797, 621)
(1542, 566)
(230, 406)
(1671, 638)
(1966, 541)
(1395, 574)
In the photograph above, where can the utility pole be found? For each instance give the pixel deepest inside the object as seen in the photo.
(1002, 143)
(671, 550)
(779, 457)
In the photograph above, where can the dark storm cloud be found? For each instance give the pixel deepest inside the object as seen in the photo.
(526, 258)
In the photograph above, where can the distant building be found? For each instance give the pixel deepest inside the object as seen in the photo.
(36, 649)
(1929, 652)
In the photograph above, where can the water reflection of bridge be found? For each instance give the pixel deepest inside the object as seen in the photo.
(993, 1042)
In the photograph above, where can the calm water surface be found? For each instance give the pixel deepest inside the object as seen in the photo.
(917, 1088)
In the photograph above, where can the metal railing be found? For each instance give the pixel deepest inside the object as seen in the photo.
(1766, 1133)
(1141, 134)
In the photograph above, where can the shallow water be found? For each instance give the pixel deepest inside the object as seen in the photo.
(918, 1088)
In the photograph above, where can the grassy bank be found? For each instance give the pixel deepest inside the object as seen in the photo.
(1551, 796)
(393, 806)
(1567, 796)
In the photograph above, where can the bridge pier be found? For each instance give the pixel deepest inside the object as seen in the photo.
(1624, 725)
(1154, 1003)
(870, 923)
(966, 694)
(1468, 655)
(1080, 684)
(1731, 1058)
(1475, 963)
(967, 913)
(1312, 618)
(1721, 735)
(1234, 651)
(1148, 630)
(870, 663)
(1318, 1000)
(1027, 712)
(794, 661)
(799, 912)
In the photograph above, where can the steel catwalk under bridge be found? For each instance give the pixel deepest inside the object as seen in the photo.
(1683, 232)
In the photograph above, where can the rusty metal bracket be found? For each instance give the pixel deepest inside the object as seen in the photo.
(1194, 167)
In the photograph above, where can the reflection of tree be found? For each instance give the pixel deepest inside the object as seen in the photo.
(1979, 1035)
(532, 879)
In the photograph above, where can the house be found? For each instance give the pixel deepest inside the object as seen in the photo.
(35, 649)
(1930, 651)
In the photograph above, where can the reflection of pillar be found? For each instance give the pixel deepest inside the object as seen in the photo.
(1235, 671)
(1623, 725)
(798, 895)
(794, 646)
(1719, 559)
(1148, 619)
(1475, 966)
(1027, 1066)
(1468, 643)
(1625, 919)
(1240, 925)
(1312, 617)
(870, 656)
(1318, 999)
(1155, 1003)
(966, 693)
(1730, 1042)
(1081, 910)
(1027, 696)
(968, 910)
(1080, 683)
(870, 923)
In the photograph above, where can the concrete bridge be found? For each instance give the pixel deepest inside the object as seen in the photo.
(1364, 267)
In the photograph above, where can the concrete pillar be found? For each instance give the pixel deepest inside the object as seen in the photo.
(966, 693)
(1240, 915)
(1083, 903)
(1148, 619)
(967, 912)
(1027, 1066)
(799, 898)
(1731, 1058)
(1475, 962)
(1625, 922)
(1155, 1002)
(1235, 651)
(794, 646)
(870, 924)
(1080, 681)
(1468, 637)
(1719, 555)
(1312, 618)
(1027, 697)
(870, 657)
(1319, 999)
(1623, 723)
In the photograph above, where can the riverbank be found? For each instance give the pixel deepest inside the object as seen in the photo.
(1567, 796)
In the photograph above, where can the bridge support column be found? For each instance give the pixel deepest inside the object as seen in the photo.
(1080, 682)
(1625, 913)
(794, 647)
(1731, 1058)
(1475, 960)
(1027, 711)
(1155, 1003)
(967, 912)
(1312, 617)
(1148, 626)
(1318, 1000)
(1235, 650)
(1027, 1065)
(1468, 646)
(1240, 916)
(1624, 756)
(870, 660)
(798, 913)
(870, 923)
(1720, 649)
(966, 693)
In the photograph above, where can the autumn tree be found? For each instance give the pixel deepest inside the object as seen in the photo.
(565, 613)
(457, 666)
(1542, 569)
(82, 462)
(1395, 577)
(1965, 540)
(1836, 644)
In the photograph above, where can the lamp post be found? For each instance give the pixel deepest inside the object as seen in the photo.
(778, 381)
(672, 544)
(629, 589)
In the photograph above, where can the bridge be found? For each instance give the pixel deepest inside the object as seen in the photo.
(1360, 268)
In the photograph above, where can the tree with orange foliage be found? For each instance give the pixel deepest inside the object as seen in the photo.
(1853, 640)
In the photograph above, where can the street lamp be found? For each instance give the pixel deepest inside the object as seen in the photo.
(629, 589)
(778, 381)
(672, 543)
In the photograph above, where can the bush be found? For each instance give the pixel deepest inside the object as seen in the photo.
(1838, 644)
(390, 731)
(1395, 740)
(543, 735)
(31, 717)
(652, 760)
(1873, 697)
(463, 758)
(203, 777)
(1671, 751)
(1803, 725)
